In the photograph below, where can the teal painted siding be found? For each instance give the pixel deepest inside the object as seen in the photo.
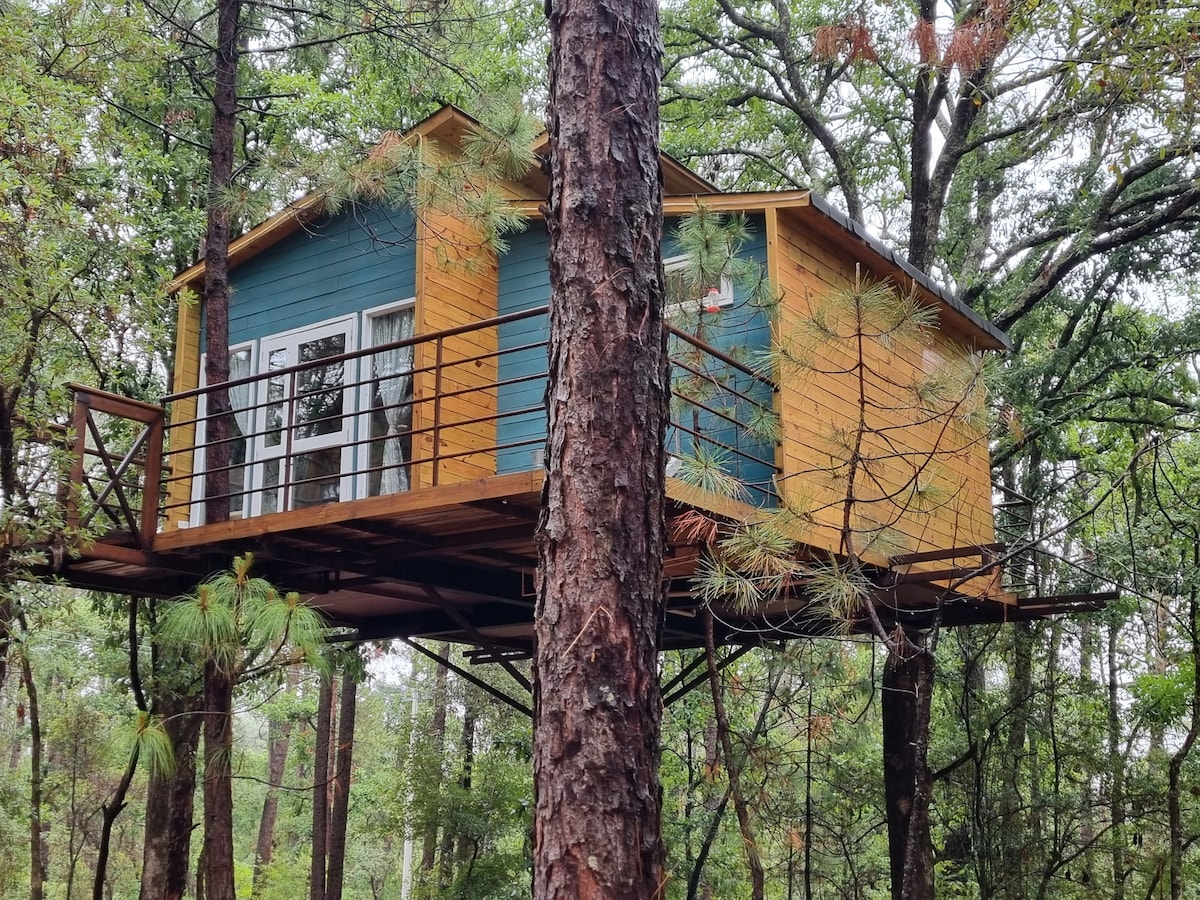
(361, 258)
(739, 331)
(524, 284)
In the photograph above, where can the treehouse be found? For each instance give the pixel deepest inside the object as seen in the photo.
(385, 445)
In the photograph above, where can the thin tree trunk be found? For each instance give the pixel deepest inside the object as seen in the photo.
(732, 765)
(600, 600)
(320, 826)
(1180, 756)
(694, 888)
(37, 846)
(115, 804)
(1116, 766)
(14, 752)
(341, 786)
(109, 812)
(445, 864)
(1020, 694)
(907, 694)
(170, 804)
(438, 728)
(279, 738)
(218, 783)
(465, 844)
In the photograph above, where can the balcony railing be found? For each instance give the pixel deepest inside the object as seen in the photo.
(430, 410)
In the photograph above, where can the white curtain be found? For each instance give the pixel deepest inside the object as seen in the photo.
(239, 394)
(393, 384)
(239, 400)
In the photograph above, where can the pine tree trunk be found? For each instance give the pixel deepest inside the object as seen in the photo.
(218, 783)
(600, 602)
(170, 805)
(320, 826)
(906, 697)
(216, 261)
(341, 788)
(218, 686)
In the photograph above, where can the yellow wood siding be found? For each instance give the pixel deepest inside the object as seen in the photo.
(187, 377)
(457, 284)
(822, 399)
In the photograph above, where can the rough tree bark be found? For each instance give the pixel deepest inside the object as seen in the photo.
(216, 261)
(218, 783)
(601, 535)
(170, 804)
(907, 693)
(218, 685)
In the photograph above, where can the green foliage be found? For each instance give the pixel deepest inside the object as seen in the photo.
(234, 619)
(81, 234)
(1165, 699)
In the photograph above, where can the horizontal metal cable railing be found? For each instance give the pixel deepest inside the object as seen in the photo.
(433, 409)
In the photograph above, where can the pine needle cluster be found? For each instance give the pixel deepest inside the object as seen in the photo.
(237, 621)
(882, 470)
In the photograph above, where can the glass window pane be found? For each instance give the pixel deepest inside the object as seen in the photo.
(319, 395)
(271, 489)
(276, 392)
(239, 400)
(317, 477)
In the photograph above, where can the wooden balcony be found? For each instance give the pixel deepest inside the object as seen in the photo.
(431, 535)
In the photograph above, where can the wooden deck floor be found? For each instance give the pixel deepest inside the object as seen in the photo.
(458, 562)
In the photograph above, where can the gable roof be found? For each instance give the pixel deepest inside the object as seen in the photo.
(683, 191)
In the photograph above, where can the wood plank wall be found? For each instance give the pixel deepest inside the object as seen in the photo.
(187, 376)
(457, 284)
(819, 403)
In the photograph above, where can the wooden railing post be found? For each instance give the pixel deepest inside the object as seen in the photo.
(152, 480)
(143, 523)
(78, 449)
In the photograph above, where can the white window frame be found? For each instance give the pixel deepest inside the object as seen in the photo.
(291, 340)
(673, 310)
(364, 389)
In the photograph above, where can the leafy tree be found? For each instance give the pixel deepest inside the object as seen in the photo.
(870, 492)
(78, 261)
(238, 626)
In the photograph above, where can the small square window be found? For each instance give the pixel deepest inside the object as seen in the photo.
(684, 310)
